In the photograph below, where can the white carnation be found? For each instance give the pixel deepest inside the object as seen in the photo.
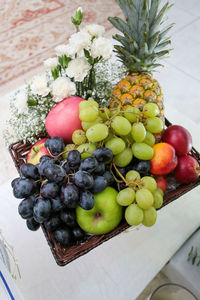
(62, 87)
(62, 50)
(78, 68)
(80, 8)
(95, 30)
(39, 85)
(21, 102)
(79, 41)
(51, 63)
(102, 47)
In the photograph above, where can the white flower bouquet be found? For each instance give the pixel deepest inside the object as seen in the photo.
(84, 67)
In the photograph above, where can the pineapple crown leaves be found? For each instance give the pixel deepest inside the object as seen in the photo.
(143, 41)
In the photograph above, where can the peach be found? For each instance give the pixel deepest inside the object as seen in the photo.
(164, 159)
(63, 119)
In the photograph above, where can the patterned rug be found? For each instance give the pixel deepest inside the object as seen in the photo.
(30, 30)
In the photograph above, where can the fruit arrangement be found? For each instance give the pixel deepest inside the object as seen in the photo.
(100, 166)
(105, 174)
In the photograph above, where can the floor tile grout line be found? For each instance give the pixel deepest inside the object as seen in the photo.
(186, 25)
(182, 71)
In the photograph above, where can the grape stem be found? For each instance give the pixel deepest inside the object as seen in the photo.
(118, 172)
(129, 184)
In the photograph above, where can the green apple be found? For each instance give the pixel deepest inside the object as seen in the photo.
(104, 216)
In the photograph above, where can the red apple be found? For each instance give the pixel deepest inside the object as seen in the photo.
(162, 183)
(63, 119)
(37, 151)
(187, 170)
(179, 138)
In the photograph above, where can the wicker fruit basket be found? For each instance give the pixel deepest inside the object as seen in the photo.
(64, 255)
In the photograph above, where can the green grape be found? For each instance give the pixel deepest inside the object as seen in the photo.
(109, 137)
(87, 103)
(154, 125)
(124, 158)
(134, 215)
(86, 150)
(87, 125)
(151, 110)
(68, 148)
(132, 176)
(158, 199)
(132, 114)
(79, 137)
(138, 132)
(149, 183)
(104, 113)
(142, 151)
(116, 145)
(150, 216)
(160, 191)
(149, 139)
(93, 103)
(144, 198)
(88, 114)
(126, 196)
(97, 133)
(121, 126)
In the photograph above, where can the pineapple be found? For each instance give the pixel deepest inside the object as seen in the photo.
(142, 43)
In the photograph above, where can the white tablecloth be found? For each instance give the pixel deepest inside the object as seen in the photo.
(118, 269)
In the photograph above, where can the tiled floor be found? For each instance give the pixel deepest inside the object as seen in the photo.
(180, 78)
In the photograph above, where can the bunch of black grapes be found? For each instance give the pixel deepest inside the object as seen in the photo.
(52, 189)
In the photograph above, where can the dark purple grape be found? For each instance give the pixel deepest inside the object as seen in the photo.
(74, 158)
(55, 145)
(32, 224)
(89, 164)
(83, 180)
(65, 166)
(100, 169)
(70, 196)
(99, 184)
(53, 223)
(56, 204)
(29, 171)
(15, 181)
(68, 217)
(25, 208)
(54, 173)
(143, 167)
(42, 210)
(86, 200)
(78, 233)
(49, 190)
(44, 164)
(63, 236)
(45, 158)
(109, 178)
(24, 188)
(103, 154)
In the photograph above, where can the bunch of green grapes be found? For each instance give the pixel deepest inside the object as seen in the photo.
(142, 197)
(126, 133)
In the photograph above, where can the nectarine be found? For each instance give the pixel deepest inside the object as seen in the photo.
(164, 159)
